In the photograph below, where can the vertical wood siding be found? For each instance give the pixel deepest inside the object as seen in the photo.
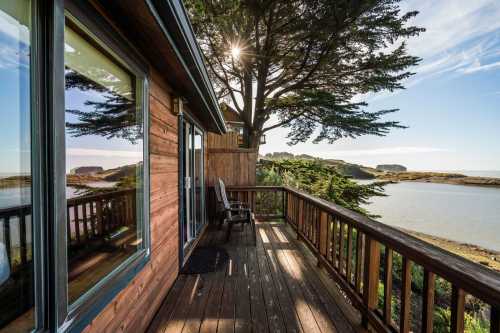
(236, 167)
(134, 307)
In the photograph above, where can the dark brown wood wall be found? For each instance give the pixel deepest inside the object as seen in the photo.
(134, 307)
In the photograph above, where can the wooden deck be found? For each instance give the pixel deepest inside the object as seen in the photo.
(274, 286)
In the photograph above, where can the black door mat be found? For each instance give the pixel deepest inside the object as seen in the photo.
(206, 259)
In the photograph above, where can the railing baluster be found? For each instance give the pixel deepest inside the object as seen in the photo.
(359, 259)
(307, 220)
(77, 223)
(341, 248)
(22, 237)
(405, 296)
(349, 254)
(68, 223)
(323, 234)
(329, 245)
(6, 235)
(84, 219)
(92, 219)
(371, 276)
(457, 309)
(99, 218)
(300, 220)
(335, 241)
(388, 286)
(317, 226)
(428, 301)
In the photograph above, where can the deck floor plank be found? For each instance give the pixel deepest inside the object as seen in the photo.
(242, 322)
(286, 303)
(271, 286)
(212, 310)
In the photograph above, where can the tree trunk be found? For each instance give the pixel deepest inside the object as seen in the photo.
(254, 140)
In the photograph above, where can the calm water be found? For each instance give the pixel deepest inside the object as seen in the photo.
(11, 197)
(466, 214)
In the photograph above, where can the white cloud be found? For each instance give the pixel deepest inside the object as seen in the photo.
(103, 153)
(477, 67)
(462, 37)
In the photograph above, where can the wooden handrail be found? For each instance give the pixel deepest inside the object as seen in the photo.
(89, 218)
(329, 229)
(457, 270)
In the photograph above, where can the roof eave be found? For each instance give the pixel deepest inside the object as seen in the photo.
(183, 41)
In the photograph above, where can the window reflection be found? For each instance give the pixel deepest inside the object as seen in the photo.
(104, 159)
(16, 246)
(198, 181)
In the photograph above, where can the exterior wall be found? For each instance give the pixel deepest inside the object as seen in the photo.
(135, 306)
(235, 166)
(230, 140)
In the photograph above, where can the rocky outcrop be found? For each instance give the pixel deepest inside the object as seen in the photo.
(391, 168)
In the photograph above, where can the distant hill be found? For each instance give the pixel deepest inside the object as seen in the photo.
(342, 167)
(391, 168)
(390, 173)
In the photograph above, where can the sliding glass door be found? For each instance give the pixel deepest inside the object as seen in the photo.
(193, 184)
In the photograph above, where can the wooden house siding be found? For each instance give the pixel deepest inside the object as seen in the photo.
(236, 167)
(135, 306)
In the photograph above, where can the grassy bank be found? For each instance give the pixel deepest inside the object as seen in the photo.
(474, 253)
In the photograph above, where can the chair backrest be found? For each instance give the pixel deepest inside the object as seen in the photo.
(218, 195)
(225, 201)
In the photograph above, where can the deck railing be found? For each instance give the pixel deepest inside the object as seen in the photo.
(380, 268)
(89, 218)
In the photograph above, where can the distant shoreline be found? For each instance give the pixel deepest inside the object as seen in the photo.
(480, 255)
(438, 178)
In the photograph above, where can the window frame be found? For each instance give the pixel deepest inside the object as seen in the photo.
(76, 316)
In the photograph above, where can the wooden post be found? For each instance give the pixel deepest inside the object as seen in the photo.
(388, 286)
(428, 301)
(22, 235)
(359, 258)
(341, 248)
(405, 319)
(300, 220)
(371, 278)
(348, 271)
(457, 310)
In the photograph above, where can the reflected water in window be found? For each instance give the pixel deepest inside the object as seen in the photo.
(16, 246)
(104, 161)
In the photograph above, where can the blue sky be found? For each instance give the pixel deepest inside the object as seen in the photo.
(451, 106)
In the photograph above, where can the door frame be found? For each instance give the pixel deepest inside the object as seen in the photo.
(185, 248)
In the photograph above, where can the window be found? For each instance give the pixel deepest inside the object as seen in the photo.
(17, 311)
(106, 162)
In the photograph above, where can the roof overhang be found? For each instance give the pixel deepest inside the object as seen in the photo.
(162, 31)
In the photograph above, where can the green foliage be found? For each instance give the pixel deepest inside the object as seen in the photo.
(317, 178)
(442, 319)
(305, 61)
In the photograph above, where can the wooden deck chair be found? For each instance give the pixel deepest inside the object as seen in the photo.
(233, 211)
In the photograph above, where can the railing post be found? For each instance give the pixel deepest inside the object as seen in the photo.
(371, 276)
(457, 309)
(428, 301)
